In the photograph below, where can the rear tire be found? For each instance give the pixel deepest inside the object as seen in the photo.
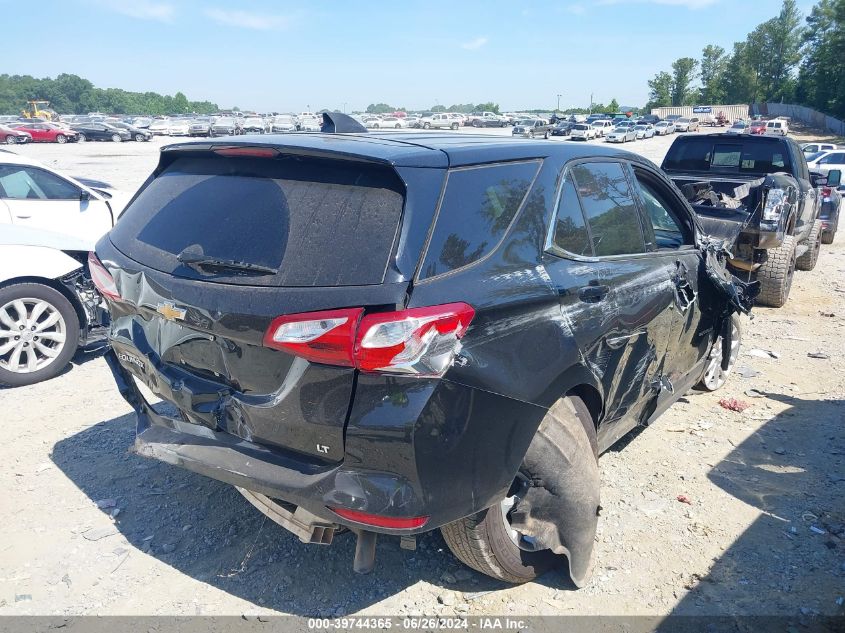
(140, 137)
(827, 237)
(61, 139)
(30, 294)
(81, 138)
(116, 138)
(714, 376)
(808, 260)
(483, 540)
(11, 140)
(454, 126)
(776, 273)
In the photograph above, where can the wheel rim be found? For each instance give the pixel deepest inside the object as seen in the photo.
(11, 140)
(32, 334)
(60, 138)
(116, 138)
(81, 138)
(139, 137)
(715, 376)
(519, 539)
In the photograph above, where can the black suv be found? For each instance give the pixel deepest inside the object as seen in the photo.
(405, 332)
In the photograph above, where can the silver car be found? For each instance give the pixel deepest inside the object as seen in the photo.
(621, 134)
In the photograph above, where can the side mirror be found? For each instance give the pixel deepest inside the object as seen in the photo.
(84, 196)
(834, 177)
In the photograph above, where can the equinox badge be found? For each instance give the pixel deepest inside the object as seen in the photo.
(170, 311)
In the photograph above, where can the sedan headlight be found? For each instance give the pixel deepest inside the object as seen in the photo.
(777, 201)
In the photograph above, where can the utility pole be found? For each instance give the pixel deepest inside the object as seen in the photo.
(558, 102)
(344, 107)
(591, 103)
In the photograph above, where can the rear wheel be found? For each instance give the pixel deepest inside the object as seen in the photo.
(140, 137)
(426, 125)
(81, 138)
(116, 138)
(776, 273)
(454, 126)
(808, 260)
(61, 139)
(11, 140)
(827, 237)
(39, 333)
(561, 459)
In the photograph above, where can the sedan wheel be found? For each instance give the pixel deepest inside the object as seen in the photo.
(39, 333)
(81, 138)
(11, 140)
(714, 376)
(116, 138)
(140, 137)
(61, 139)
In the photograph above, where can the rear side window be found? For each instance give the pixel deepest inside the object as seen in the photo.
(315, 222)
(570, 230)
(609, 208)
(477, 207)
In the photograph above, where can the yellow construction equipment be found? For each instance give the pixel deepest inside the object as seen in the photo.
(38, 109)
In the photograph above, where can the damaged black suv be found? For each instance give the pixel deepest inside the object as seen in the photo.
(399, 333)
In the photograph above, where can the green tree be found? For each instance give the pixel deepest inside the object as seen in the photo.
(713, 60)
(438, 108)
(660, 90)
(487, 107)
(740, 78)
(612, 107)
(683, 74)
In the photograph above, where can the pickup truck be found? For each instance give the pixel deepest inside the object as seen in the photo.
(758, 194)
(486, 119)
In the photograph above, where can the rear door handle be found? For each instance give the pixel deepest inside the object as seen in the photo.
(592, 294)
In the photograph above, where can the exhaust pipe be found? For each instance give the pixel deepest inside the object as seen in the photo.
(365, 552)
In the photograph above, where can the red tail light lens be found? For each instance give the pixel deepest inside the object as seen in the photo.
(250, 152)
(418, 341)
(826, 192)
(376, 520)
(102, 278)
(321, 337)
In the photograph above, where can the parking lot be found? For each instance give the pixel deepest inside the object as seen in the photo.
(91, 529)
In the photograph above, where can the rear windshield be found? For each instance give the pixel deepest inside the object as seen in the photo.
(755, 156)
(314, 222)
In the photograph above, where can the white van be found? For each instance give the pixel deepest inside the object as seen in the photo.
(777, 127)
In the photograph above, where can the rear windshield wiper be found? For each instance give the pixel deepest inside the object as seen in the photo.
(199, 262)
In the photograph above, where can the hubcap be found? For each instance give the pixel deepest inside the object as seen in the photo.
(32, 335)
(715, 376)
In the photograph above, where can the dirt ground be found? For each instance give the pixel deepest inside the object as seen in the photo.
(88, 528)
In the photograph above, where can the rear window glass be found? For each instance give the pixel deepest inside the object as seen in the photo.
(315, 222)
(477, 208)
(704, 154)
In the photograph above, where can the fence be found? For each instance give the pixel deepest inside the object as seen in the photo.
(811, 117)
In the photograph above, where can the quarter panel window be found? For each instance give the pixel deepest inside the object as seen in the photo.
(477, 208)
(609, 208)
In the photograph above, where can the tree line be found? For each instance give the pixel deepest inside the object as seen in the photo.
(71, 94)
(781, 60)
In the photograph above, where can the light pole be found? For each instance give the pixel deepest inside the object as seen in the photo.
(591, 103)
(344, 107)
(558, 102)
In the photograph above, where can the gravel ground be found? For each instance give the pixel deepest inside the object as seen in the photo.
(89, 528)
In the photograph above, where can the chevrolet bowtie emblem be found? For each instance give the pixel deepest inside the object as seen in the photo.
(170, 311)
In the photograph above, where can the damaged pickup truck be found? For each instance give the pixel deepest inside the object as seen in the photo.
(396, 333)
(756, 193)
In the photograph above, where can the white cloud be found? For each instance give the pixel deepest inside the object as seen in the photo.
(141, 9)
(249, 20)
(474, 45)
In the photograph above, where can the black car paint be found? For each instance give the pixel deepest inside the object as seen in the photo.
(101, 131)
(611, 330)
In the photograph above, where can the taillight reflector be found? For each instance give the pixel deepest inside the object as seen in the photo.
(376, 520)
(417, 341)
(102, 278)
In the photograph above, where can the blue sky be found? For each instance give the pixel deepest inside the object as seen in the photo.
(287, 56)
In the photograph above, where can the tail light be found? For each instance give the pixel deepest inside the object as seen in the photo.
(248, 152)
(418, 341)
(825, 192)
(102, 278)
(377, 520)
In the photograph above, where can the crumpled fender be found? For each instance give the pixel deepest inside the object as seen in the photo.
(559, 508)
(740, 294)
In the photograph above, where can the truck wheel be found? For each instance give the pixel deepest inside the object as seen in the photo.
(827, 237)
(39, 333)
(808, 260)
(454, 126)
(555, 497)
(426, 125)
(714, 376)
(775, 275)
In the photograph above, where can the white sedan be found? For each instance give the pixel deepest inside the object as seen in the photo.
(621, 135)
(36, 196)
(644, 130)
(661, 128)
(389, 122)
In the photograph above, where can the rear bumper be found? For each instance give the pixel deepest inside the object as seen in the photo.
(416, 448)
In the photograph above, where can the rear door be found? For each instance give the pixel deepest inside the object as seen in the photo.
(615, 295)
(310, 234)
